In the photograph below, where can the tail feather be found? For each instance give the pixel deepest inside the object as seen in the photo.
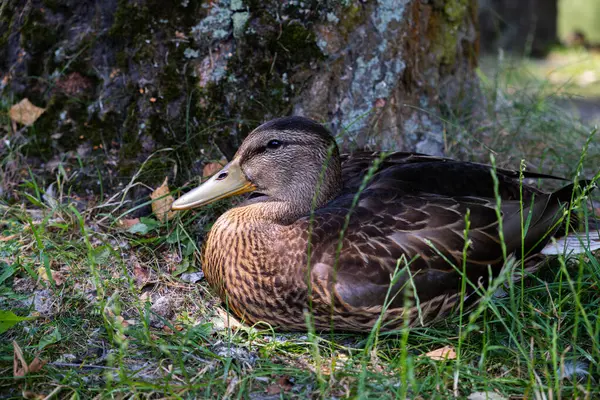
(573, 243)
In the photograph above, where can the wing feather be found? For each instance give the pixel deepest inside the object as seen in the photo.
(414, 209)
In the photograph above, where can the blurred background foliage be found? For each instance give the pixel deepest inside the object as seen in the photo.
(582, 15)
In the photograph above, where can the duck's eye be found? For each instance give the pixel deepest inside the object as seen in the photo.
(273, 144)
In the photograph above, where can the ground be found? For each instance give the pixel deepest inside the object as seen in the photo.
(116, 306)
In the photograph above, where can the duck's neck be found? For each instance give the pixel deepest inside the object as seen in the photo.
(281, 212)
(271, 211)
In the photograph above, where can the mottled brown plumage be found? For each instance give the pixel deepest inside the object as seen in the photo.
(272, 259)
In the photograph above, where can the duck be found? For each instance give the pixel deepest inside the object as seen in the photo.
(351, 241)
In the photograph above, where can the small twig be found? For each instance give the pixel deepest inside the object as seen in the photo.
(131, 184)
(54, 392)
(83, 366)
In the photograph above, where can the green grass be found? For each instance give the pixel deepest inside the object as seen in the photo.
(568, 73)
(100, 325)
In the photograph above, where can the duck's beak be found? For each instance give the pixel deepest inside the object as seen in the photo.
(229, 181)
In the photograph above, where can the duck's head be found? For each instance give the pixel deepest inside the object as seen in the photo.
(288, 160)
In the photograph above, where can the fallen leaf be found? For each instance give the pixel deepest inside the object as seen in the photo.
(127, 223)
(36, 365)
(283, 384)
(443, 353)
(162, 200)
(121, 321)
(212, 168)
(57, 276)
(25, 113)
(141, 275)
(7, 238)
(29, 395)
(20, 366)
(273, 389)
(223, 320)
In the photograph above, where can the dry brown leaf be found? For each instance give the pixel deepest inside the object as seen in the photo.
(228, 320)
(29, 395)
(20, 366)
(212, 168)
(141, 275)
(273, 389)
(7, 238)
(162, 200)
(443, 353)
(25, 113)
(127, 223)
(57, 276)
(122, 321)
(283, 384)
(36, 365)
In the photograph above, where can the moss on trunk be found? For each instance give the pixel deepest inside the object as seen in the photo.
(129, 77)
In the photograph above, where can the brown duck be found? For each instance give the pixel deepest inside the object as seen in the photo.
(348, 239)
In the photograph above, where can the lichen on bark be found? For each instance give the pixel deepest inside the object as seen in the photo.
(392, 72)
(129, 77)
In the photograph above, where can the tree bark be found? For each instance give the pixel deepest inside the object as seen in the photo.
(122, 79)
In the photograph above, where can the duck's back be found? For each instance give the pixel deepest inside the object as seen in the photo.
(408, 218)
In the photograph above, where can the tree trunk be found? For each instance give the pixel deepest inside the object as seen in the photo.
(122, 79)
(521, 26)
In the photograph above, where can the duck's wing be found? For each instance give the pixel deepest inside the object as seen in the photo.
(420, 173)
(359, 243)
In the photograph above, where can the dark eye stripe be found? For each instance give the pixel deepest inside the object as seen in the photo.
(259, 150)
